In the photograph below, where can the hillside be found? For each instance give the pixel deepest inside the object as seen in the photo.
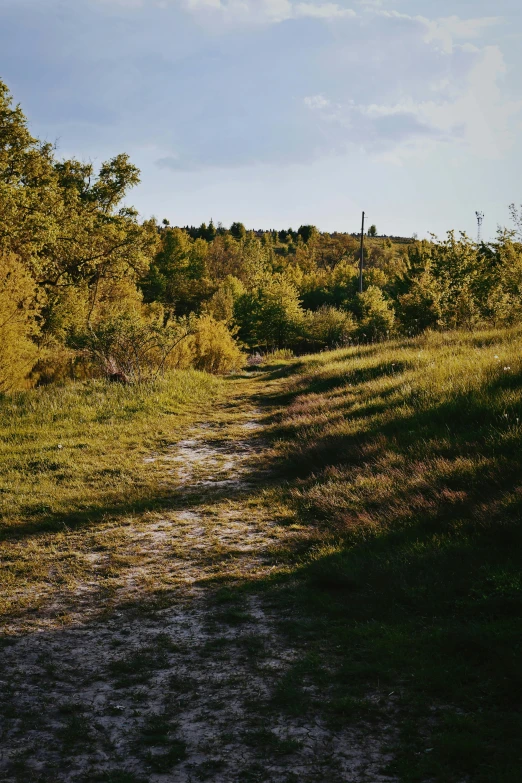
(309, 571)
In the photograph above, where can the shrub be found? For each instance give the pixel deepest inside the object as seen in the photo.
(420, 308)
(270, 316)
(328, 327)
(377, 316)
(213, 347)
(132, 346)
(221, 304)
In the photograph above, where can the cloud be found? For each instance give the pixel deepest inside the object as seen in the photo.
(451, 28)
(274, 11)
(228, 85)
(196, 4)
(247, 11)
(316, 102)
(473, 114)
(325, 11)
(446, 31)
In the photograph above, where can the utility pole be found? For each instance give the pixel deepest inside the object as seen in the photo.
(480, 220)
(361, 262)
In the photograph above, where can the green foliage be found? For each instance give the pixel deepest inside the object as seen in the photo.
(90, 263)
(131, 346)
(222, 304)
(420, 308)
(238, 231)
(18, 323)
(328, 327)
(270, 315)
(308, 233)
(503, 296)
(213, 348)
(377, 316)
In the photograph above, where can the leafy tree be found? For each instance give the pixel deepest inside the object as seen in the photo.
(420, 308)
(238, 231)
(372, 231)
(270, 315)
(18, 323)
(221, 305)
(214, 348)
(307, 233)
(178, 275)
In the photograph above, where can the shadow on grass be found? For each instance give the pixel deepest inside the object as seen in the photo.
(176, 499)
(406, 577)
(413, 579)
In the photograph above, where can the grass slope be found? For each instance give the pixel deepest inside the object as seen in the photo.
(338, 553)
(404, 467)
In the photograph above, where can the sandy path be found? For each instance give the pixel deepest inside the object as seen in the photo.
(158, 677)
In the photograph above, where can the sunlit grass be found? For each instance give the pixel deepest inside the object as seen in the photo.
(404, 466)
(72, 459)
(378, 523)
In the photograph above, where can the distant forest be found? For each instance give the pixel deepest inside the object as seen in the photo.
(87, 288)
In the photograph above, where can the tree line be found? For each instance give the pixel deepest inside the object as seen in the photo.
(86, 287)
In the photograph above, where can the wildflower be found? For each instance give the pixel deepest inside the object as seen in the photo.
(506, 369)
(495, 357)
(60, 446)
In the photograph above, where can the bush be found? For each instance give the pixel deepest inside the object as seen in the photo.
(328, 327)
(269, 316)
(132, 346)
(420, 308)
(221, 304)
(213, 347)
(377, 316)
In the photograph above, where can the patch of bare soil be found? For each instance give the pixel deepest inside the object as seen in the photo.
(155, 676)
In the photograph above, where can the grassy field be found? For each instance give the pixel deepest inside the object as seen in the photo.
(240, 579)
(404, 465)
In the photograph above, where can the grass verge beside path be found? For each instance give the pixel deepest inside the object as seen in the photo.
(403, 464)
(72, 460)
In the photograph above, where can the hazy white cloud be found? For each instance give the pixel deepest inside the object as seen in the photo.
(196, 4)
(324, 11)
(481, 109)
(316, 102)
(474, 114)
(271, 10)
(248, 11)
(450, 29)
(390, 83)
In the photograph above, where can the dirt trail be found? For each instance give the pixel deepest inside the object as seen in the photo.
(163, 677)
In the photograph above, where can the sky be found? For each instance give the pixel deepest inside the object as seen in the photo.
(278, 113)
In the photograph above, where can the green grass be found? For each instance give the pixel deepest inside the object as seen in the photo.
(71, 464)
(386, 552)
(404, 466)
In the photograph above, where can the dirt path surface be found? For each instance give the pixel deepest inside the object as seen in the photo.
(161, 666)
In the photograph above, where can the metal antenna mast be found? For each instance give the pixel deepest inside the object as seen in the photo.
(361, 262)
(480, 220)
